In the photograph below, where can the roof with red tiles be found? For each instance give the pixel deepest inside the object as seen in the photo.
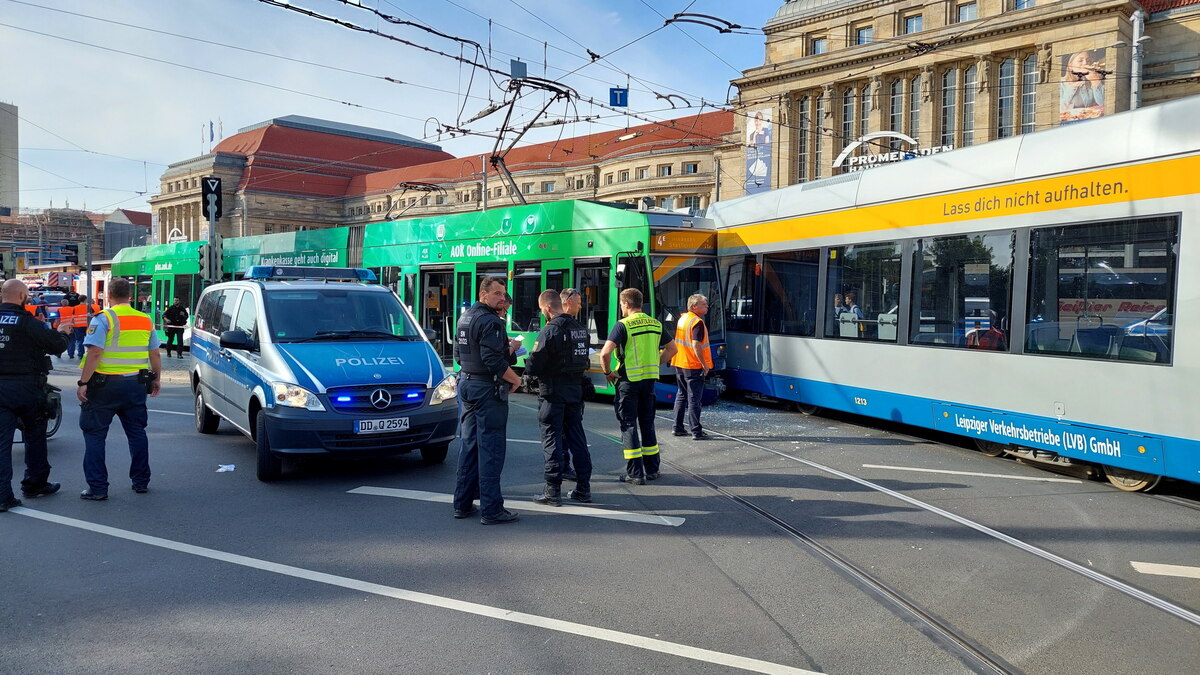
(701, 130)
(141, 218)
(1153, 6)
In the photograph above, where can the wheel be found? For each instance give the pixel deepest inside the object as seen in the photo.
(806, 409)
(206, 420)
(55, 420)
(435, 454)
(990, 448)
(1131, 481)
(270, 466)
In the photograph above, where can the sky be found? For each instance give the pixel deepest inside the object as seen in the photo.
(109, 93)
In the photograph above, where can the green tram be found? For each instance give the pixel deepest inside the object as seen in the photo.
(435, 264)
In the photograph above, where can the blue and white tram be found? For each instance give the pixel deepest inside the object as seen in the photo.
(1026, 293)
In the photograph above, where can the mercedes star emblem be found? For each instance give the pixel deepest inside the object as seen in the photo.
(380, 398)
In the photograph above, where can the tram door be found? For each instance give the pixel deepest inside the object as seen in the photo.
(593, 279)
(160, 299)
(434, 310)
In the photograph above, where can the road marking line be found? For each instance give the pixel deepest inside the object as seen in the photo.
(971, 473)
(1166, 570)
(170, 412)
(584, 630)
(519, 505)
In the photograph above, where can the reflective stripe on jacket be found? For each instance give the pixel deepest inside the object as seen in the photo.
(127, 345)
(81, 316)
(640, 358)
(691, 354)
(66, 316)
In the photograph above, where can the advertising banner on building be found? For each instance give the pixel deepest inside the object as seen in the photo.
(758, 151)
(1081, 88)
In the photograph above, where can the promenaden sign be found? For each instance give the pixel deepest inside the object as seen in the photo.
(860, 162)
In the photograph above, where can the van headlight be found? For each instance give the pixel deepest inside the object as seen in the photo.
(445, 391)
(294, 396)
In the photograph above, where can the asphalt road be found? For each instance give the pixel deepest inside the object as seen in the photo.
(358, 567)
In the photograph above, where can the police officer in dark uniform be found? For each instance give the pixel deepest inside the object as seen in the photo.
(25, 346)
(559, 359)
(482, 350)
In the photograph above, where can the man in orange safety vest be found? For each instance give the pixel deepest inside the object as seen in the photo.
(692, 361)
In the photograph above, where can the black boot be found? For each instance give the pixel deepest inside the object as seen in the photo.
(551, 495)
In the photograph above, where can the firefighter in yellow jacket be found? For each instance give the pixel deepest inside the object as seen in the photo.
(692, 361)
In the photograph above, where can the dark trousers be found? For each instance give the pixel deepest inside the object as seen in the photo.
(175, 337)
(687, 398)
(484, 422)
(23, 398)
(125, 398)
(634, 404)
(562, 432)
(75, 342)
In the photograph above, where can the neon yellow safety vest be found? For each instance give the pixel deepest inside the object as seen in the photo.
(127, 345)
(640, 356)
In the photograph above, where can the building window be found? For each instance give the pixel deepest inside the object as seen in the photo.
(914, 108)
(914, 24)
(268, 228)
(1024, 4)
(864, 111)
(692, 202)
(818, 46)
(1029, 77)
(802, 141)
(579, 182)
(664, 170)
(691, 167)
(624, 176)
(863, 35)
(968, 106)
(818, 115)
(847, 117)
(1005, 99)
(608, 179)
(424, 201)
(548, 186)
(643, 173)
(967, 12)
(896, 111)
(949, 106)
(498, 192)
(440, 199)
(527, 188)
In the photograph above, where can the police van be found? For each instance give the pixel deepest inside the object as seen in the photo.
(318, 361)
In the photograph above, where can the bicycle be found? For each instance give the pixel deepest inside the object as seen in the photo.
(54, 404)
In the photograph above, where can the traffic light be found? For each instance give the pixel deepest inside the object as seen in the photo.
(204, 262)
(71, 253)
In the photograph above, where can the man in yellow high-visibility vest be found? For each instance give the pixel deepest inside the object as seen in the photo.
(636, 339)
(120, 368)
(692, 362)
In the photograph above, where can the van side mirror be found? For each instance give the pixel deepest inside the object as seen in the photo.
(236, 339)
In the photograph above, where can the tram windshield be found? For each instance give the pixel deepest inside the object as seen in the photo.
(676, 278)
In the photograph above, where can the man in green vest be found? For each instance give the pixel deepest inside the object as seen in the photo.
(120, 368)
(636, 339)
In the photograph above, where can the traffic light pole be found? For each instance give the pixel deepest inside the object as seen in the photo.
(88, 273)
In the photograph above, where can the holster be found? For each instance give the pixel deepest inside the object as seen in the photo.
(146, 378)
(96, 381)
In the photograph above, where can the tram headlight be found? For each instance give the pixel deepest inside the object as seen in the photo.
(295, 396)
(445, 391)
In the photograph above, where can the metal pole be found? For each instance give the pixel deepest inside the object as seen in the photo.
(717, 179)
(214, 274)
(1135, 65)
(91, 294)
(483, 168)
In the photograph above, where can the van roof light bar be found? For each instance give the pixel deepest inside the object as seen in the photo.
(270, 272)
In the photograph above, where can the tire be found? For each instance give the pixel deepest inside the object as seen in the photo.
(55, 421)
(990, 448)
(435, 454)
(207, 421)
(1131, 481)
(270, 466)
(806, 409)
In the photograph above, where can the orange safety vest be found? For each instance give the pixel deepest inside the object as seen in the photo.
(691, 354)
(66, 316)
(32, 309)
(81, 315)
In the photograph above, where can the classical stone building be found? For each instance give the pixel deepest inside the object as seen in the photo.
(846, 84)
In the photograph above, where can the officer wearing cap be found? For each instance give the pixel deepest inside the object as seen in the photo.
(25, 346)
(558, 360)
(482, 349)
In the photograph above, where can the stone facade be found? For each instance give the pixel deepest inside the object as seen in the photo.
(947, 73)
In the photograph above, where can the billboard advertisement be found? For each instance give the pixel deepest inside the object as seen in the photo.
(1081, 87)
(758, 151)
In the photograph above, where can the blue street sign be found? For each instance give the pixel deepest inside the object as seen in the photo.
(618, 97)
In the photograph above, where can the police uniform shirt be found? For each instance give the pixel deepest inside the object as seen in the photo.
(97, 333)
(561, 350)
(176, 316)
(618, 336)
(481, 329)
(24, 341)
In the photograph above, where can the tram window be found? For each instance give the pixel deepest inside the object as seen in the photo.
(410, 291)
(593, 312)
(183, 289)
(143, 291)
(866, 279)
(1103, 290)
(962, 288)
(677, 278)
(631, 270)
(790, 292)
(527, 285)
(738, 274)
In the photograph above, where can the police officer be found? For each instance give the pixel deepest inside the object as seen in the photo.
(692, 361)
(120, 368)
(482, 350)
(559, 359)
(175, 319)
(636, 340)
(25, 344)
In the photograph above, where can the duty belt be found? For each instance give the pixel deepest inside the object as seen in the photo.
(478, 376)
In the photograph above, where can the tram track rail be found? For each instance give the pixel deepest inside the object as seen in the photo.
(1112, 583)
